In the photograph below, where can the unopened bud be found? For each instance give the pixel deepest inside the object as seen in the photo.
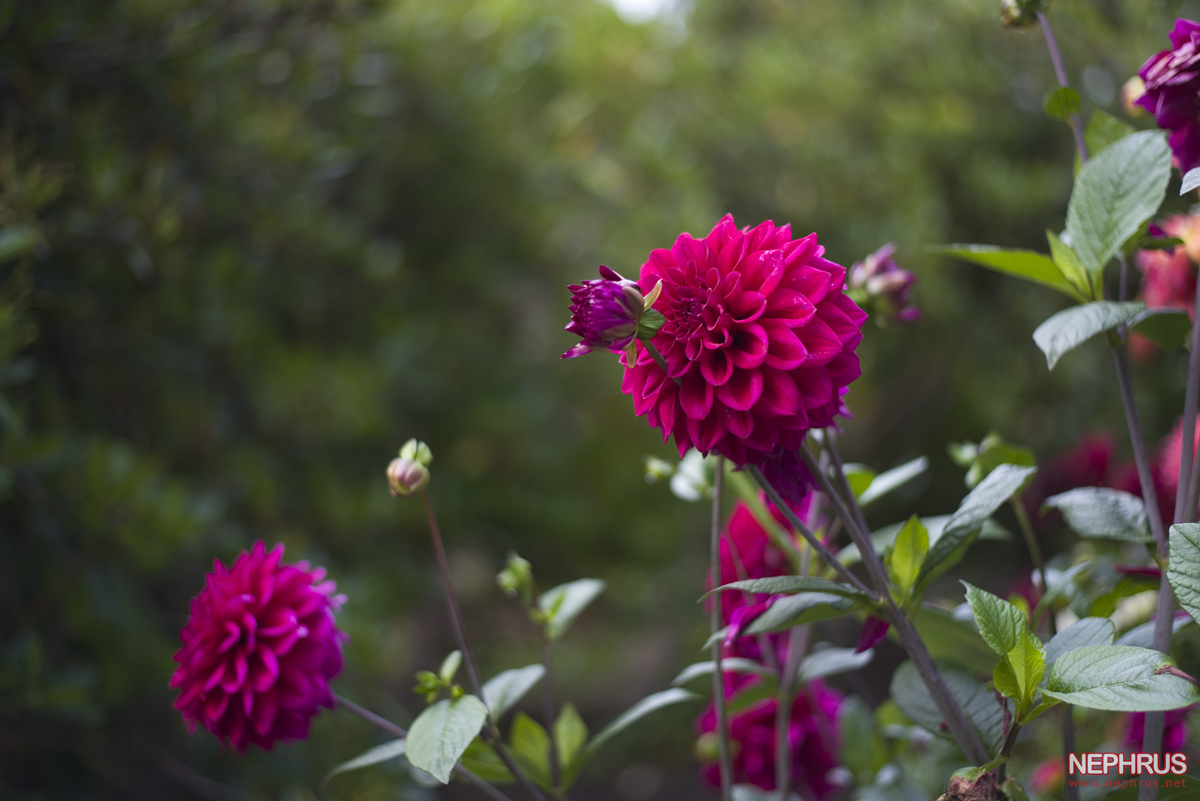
(407, 477)
(1131, 93)
(658, 469)
(417, 451)
(516, 579)
(1020, 13)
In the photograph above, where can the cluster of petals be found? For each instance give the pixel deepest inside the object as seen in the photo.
(1172, 92)
(1169, 276)
(759, 341)
(885, 286)
(259, 650)
(605, 313)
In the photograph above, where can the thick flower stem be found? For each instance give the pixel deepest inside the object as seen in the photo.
(1061, 74)
(658, 357)
(1006, 750)
(725, 763)
(839, 470)
(956, 720)
(396, 731)
(809, 537)
(490, 734)
(797, 645)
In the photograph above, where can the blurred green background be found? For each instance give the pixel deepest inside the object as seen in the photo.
(250, 246)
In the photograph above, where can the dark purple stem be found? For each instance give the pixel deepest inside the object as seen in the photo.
(1061, 74)
(725, 764)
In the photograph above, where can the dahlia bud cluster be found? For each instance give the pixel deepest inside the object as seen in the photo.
(878, 284)
(1020, 13)
(408, 474)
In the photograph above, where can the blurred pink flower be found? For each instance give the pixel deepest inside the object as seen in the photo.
(259, 650)
(1172, 92)
(1169, 276)
(1174, 730)
(760, 334)
(1047, 777)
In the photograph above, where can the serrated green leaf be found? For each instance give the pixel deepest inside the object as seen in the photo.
(1070, 328)
(953, 640)
(529, 745)
(1066, 260)
(562, 604)
(1143, 636)
(570, 734)
(796, 609)
(832, 661)
(978, 702)
(775, 585)
(1169, 328)
(1183, 566)
(1060, 103)
(935, 525)
(1081, 634)
(376, 755)
(1001, 624)
(1025, 264)
(858, 476)
(440, 734)
(1028, 663)
(1118, 678)
(1102, 513)
(1104, 130)
(1115, 193)
(507, 688)
(964, 525)
(1005, 681)
(908, 552)
(730, 664)
(1061, 583)
(893, 479)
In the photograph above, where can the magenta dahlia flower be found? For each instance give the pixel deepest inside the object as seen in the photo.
(1172, 92)
(605, 313)
(259, 650)
(759, 338)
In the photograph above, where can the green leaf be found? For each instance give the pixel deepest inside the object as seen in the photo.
(1101, 513)
(908, 552)
(16, 240)
(797, 609)
(1081, 634)
(440, 735)
(832, 661)
(1061, 583)
(910, 694)
(859, 477)
(1118, 678)
(1190, 181)
(1064, 256)
(775, 585)
(1001, 624)
(649, 704)
(652, 320)
(1115, 192)
(1061, 103)
(1169, 328)
(1005, 681)
(530, 747)
(1028, 663)
(953, 640)
(751, 792)
(935, 525)
(380, 753)
(1183, 566)
(964, 525)
(893, 479)
(730, 664)
(863, 750)
(570, 733)
(482, 760)
(565, 602)
(505, 689)
(1026, 264)
(1104, 130)
(450, 666)
(1070, 328)
(1143, 636)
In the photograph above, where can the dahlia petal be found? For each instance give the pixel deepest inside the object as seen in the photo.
(266, 671)
(716, 367)
(780, 395)
(706, 431)
(786, 351)
(215, 677)
(749, 347)
(762, 271)
(739, 423)
(731, 255)
(799, 251)
(215, 705)
(722, 234)
(748, 306)
(265, 709)
(821, 342)
(743, 389)
(232, 635)
(790, 307)
(696, 395)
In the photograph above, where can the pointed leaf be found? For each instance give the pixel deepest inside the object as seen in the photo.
(482, 760)
(832, 661)
(1001, 624)
(505, 689)
(570, 733)
(1101, 513)
(1028, 663)
(1027, 264)
(893, 479)
(440, 735)
(380, 753)
(530, 747)
(1080, 634)
(1143, 636)
(775, 585)
(1190, 181)
(1118, 678)
(450, 666)
(1115, 193)
(730, 664)
(1070, 328)
(797, 609)
(908, 552)
(1061, 103)
(953, 640)
(859, 477)
(641, 709)
(1066, 260)
(978, 702)
(1170, 328)
(1183, 566)
(565, 602)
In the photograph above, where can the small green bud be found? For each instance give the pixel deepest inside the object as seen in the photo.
(1020, 13)
(417, 451)
(516, 579)
(456, 692)
(658, 469)
(406, 477)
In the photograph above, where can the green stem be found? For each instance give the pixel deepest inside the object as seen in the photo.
(1006, 750)
(548, 708)
(726, 765)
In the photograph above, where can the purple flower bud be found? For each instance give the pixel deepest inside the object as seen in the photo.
(407, 477)
(1172, 79)
(605, 313)
(879, 284)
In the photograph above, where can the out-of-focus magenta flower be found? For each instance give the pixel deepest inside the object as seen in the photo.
(873, 631)
(1087, 464)
(1164, 471)
(1172, 92)
(788, 474)
(605, 313)
(259, 650)
(812, 737)
(1048, 776)
(760, 335)
(879, 285)
(1169, 276)
(1174, 730)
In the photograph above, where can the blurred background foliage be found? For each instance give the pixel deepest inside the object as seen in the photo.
(250, 246)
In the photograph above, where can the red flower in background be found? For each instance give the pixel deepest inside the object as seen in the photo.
(758, 332)
(259, 650)
(1169, 276)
